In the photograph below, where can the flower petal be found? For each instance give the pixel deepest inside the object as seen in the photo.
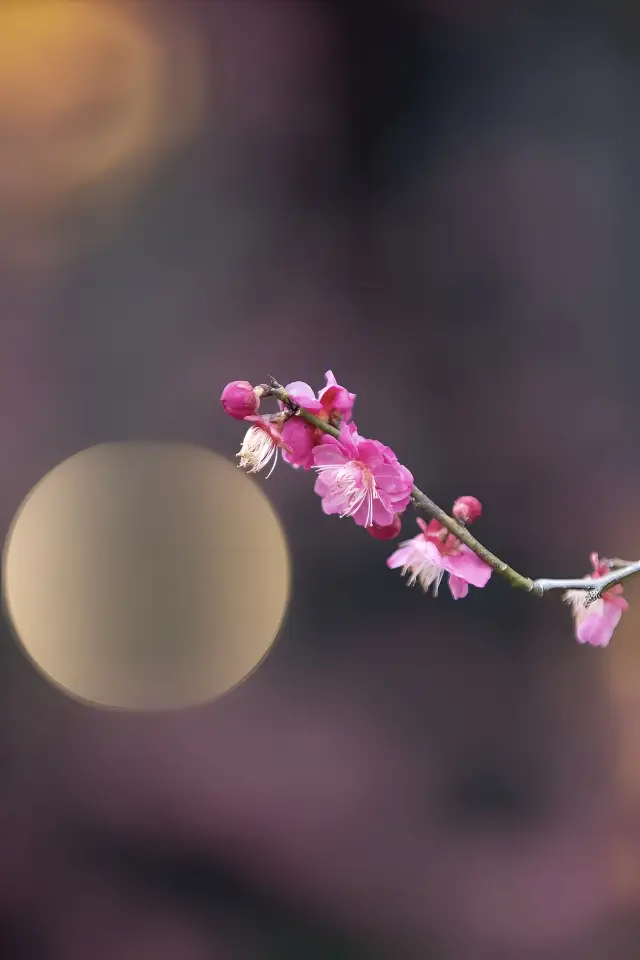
(468, 566)
(304, 396)
(299, 437)
(333, 397)
(597, 627)
(616, 600)
(329, 454)
(390, 478)
(407, 553)
(459, 588)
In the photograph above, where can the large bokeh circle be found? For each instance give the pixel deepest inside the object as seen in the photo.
(146, 575)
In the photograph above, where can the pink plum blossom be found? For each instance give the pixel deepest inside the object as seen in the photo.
(360, 478)
(595, 623)
(333, 403)
(335, 398)
(467, 509)
(260, 445)
(434, 552)
(239, 399)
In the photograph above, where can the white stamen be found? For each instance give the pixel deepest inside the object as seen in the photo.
(425, 573)
(345, 481)
(421, 569)
(576, 599)
(258, 448)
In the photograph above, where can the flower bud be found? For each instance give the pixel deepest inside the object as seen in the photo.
(386, 533)
(467, 509)
(239, 399)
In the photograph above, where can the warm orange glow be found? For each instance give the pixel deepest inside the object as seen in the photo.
(89, 92)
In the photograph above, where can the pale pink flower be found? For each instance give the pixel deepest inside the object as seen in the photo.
(333, 402)
(434, 552)
(239, 399)
(260, 445)
(360, 478)
(596, 622)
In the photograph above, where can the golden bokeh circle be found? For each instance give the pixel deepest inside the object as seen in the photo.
(146, 575)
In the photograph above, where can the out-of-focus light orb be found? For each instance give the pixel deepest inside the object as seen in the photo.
(91, 96)
(146, 575)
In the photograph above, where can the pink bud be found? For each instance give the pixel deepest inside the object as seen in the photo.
(467, 509)
(239, 399)
(386, 533)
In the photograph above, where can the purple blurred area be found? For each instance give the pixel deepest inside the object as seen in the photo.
(438, 201)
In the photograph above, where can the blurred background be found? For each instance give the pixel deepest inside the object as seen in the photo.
(439, 201)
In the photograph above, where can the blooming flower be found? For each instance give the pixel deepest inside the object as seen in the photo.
(434, 552)
(260, 445)
(360, 478)
(239, 399)
(332, 402)
(596, 622)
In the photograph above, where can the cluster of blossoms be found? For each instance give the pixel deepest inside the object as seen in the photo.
(363, 479)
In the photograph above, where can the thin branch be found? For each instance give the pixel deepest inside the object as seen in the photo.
(594, 587)
(423, 502)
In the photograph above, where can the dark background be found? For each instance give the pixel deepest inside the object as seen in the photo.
(440, 202)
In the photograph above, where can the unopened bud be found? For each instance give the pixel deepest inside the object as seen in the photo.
(388, 532)
(467, 509)
(239, 399)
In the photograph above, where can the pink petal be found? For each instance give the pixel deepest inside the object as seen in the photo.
(389, 478)
(459, 588)
(329, 454)
(430, 550)
(407, 475)
(324, 484)
(350, 441)
(335, 397)
(399, 500)
(403, 556)
(380, 514)
(387, 454)
(304, 396)
(468, 566)
(299, 437)
(333, 503)
(597, 627)
(616, 600)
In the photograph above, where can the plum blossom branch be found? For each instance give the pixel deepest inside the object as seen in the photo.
(594, 588)
(362, 479)
(419, 499)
